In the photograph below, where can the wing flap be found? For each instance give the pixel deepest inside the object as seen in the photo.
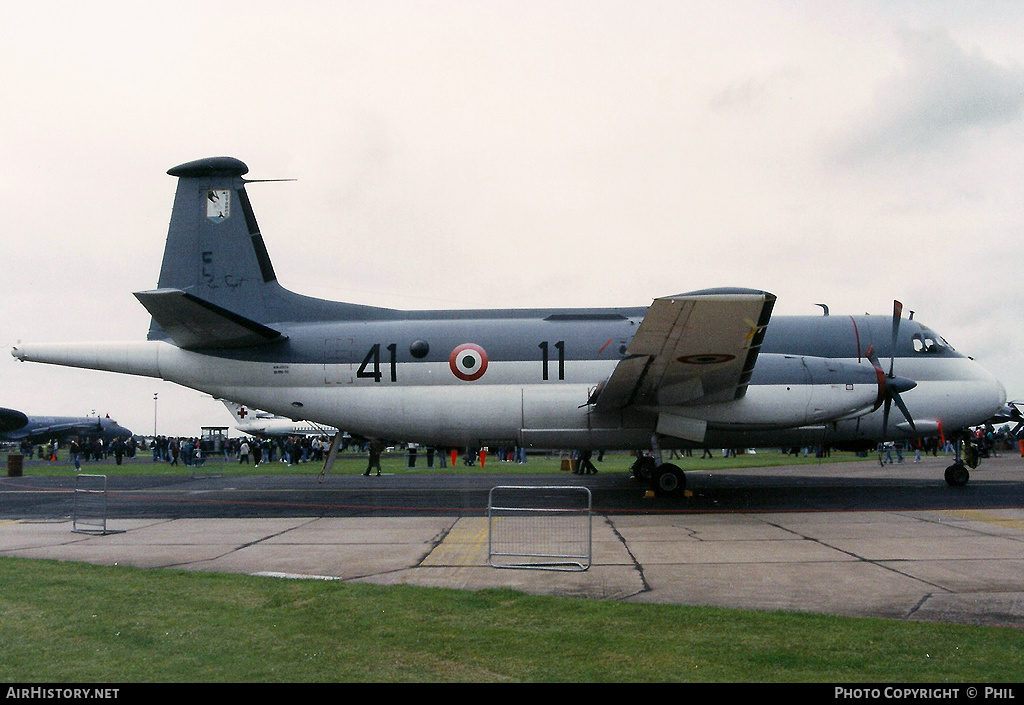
(701, 345)
(192, 323)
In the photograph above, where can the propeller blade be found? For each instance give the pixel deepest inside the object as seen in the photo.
(871, 356)
(903, 407)
(889, 385)
(883, 384)
(897, 314)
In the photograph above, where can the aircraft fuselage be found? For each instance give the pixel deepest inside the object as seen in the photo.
(528, 376)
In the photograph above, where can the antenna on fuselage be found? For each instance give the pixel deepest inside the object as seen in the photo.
(824, 306)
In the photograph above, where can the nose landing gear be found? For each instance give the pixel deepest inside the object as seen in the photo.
(957, 474)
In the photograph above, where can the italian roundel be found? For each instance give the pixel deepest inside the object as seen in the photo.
(468, 362)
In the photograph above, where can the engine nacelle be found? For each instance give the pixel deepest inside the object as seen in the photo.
(785, 391)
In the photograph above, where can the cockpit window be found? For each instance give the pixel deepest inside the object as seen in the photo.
(929, 343)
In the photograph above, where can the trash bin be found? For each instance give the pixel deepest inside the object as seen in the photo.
(14, 464)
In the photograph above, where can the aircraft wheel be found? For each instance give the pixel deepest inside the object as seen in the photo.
(957, 475)
(643, 469)
(669, 481)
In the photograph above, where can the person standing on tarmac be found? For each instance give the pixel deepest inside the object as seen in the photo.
(585, 466)
(374, 448)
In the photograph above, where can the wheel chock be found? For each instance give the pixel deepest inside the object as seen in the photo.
(649, 494)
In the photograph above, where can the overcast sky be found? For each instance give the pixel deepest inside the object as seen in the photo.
(514, 154)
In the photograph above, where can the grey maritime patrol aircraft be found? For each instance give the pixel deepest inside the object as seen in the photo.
(706, 369)
(17, 426)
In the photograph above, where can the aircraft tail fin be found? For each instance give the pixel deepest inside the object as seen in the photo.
(243, 413)
(217, 286)
(214, 250)
(233, 408)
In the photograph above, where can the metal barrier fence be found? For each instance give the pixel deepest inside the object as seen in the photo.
(544, 528)
(90, 505)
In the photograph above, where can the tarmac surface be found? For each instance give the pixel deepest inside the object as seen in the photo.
(850, 539)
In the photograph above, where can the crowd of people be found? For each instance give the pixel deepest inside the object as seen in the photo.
(84, 449)
(985, 441)
(290, 450)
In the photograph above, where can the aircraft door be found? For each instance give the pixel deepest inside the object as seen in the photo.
(339, 361)
(554, 416)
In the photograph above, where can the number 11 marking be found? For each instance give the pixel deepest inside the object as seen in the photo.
(560, 347)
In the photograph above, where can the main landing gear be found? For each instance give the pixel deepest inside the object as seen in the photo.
(667, 480)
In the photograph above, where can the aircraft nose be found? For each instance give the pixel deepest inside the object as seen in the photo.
(1001, 393)
(996, 396)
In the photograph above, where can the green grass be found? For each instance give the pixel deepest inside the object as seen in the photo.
(69, 622)
(350, 464)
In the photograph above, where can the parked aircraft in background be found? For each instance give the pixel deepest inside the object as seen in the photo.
(1010, 414)
(18, 426)
(262, 424)
(710, 368)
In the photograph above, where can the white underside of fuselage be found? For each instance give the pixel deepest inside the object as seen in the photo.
(428, 404)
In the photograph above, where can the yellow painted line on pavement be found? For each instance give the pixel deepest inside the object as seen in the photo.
(987, 517)
(465, 545)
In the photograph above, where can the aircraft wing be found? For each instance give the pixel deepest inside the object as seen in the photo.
(193, 323)
(701, 345)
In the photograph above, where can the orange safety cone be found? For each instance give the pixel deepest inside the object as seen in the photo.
(455, 456)
(483, 458)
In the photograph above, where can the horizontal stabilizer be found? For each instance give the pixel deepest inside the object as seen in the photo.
(192, 323)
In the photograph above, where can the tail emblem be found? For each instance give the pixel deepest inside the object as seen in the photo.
(218, 205)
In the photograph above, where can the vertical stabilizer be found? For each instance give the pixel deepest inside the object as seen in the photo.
(217, 286)
(214, 250)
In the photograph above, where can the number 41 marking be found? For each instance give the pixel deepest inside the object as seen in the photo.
(373, 357)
